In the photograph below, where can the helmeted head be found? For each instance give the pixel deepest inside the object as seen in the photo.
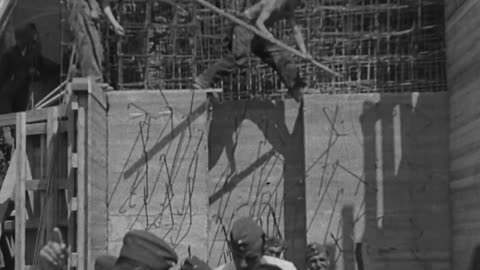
(246, 243)
(274, 247)
(317, 257)
(140, 250)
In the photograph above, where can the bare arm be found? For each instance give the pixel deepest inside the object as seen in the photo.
(265, 13)
(113, 21)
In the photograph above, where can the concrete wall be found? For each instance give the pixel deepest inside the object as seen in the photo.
(377, 179)
(255, 151)
(376, 171)
(463, 66)
(376, 176)
(157, 168)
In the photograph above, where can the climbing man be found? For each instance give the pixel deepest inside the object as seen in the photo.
(246, 245)
(263, 15)
(317, 257)
(85, 22)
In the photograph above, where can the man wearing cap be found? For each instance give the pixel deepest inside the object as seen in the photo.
(317, 257)
(140, 249)
(247, 246)
(274, 247)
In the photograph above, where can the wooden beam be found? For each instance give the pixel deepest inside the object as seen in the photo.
(31, 223)
(41, 185)
(21, 141)
(52, 148)
(72, 178)
(35, 116)
(170, 91)
(81, 185)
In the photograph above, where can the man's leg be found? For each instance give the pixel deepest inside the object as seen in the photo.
(89, 47)
(282, 62)
(236, 57)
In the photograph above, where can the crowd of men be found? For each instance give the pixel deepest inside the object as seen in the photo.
(142, 250)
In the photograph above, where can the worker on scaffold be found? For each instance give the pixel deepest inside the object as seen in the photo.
(263, 14)
(85, 22)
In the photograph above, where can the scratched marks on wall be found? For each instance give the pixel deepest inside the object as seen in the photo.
(258, 135)
(333, 178)
(158, 183)
(368, 157)
(248, 142)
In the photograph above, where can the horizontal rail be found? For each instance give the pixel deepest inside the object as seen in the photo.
(35, 184)
(33, 116)
(31, 223)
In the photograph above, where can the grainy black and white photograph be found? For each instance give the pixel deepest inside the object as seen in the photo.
(239, 135)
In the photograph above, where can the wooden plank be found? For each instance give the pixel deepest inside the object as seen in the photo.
(21, 139)
(31, 116)
(37, 128)
(53, 147)
(41, 185)
(37, 197)
(71, 175)
(170, 91)
(97, 178)
(31, 223)
(81, 186)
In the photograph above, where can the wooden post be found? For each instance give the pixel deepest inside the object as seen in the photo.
(81, 185)
(21, 140)
(72, 180)
(52, 200)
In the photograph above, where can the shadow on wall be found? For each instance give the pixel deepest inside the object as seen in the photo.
(475, 262)
(406, 184)
(277, 139)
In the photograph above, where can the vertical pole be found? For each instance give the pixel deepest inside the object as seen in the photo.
(81, 184)
(52, 200)
(21, 140)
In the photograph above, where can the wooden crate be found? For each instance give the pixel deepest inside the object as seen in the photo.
(58, 177)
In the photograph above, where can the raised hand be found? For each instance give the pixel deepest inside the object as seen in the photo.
(54, 254)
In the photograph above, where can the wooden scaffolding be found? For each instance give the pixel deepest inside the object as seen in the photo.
(57, 172)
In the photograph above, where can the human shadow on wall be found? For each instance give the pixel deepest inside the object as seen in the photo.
(406, 190)
(475, 261)
(269, 117)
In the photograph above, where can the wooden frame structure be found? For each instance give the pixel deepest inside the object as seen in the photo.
(64, 146)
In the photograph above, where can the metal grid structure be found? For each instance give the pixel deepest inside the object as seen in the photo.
(379, 46)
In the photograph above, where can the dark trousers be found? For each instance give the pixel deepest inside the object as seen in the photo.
(242, 43)
(88, 41)
(14, 96)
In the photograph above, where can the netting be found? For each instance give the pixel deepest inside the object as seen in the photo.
(379, 45)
